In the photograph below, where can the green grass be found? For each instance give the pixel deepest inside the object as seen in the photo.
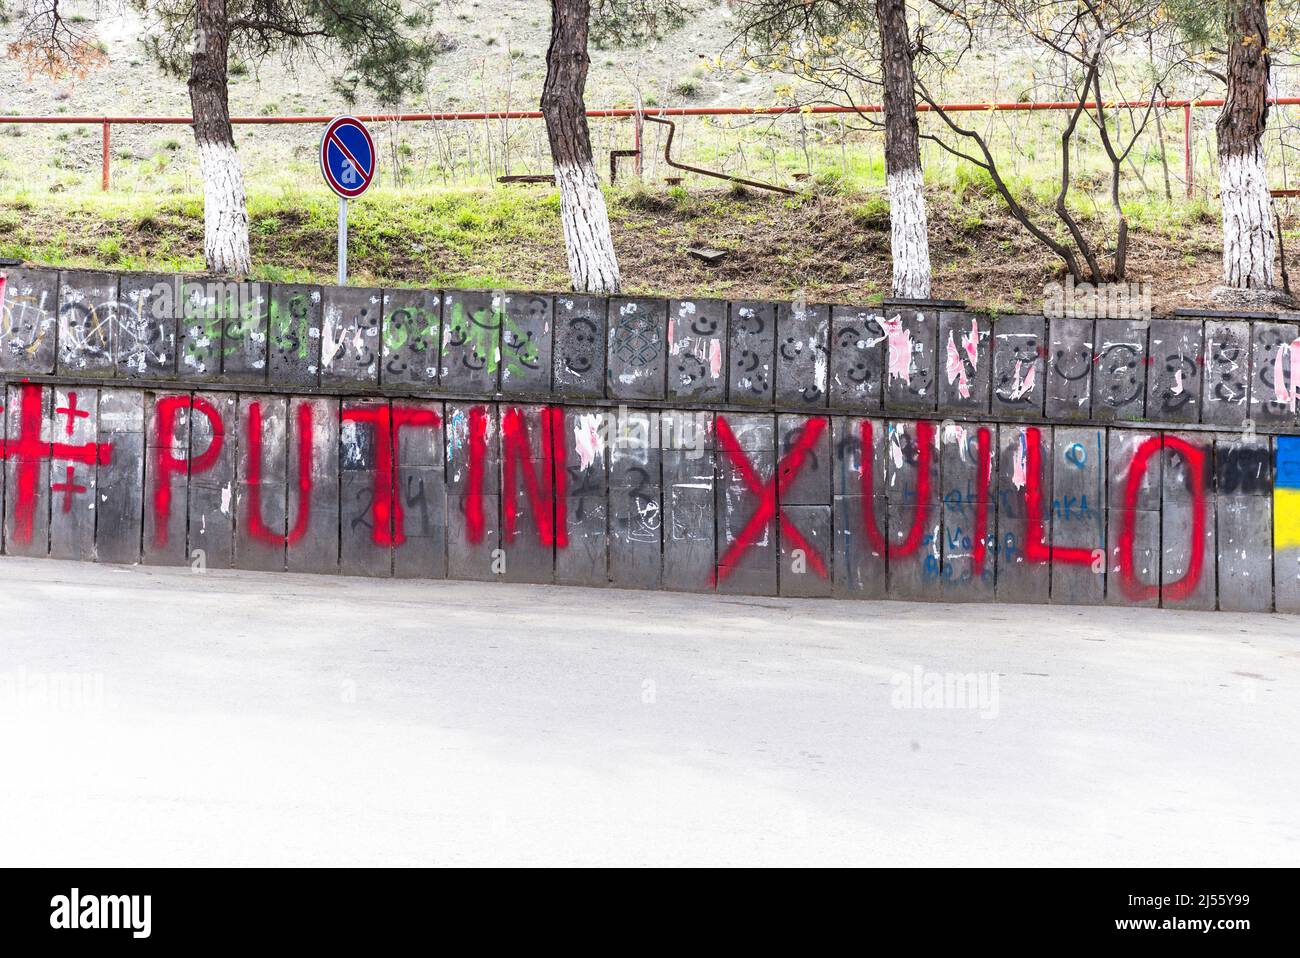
(464, 220)
(831, 239)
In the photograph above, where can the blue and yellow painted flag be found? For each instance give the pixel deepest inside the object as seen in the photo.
(1286, 494)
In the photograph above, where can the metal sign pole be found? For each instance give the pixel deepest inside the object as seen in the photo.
(347, 161)
(343, 241)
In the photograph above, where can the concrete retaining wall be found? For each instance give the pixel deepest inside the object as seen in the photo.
(699, 445)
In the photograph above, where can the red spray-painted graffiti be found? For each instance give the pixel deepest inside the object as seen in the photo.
(1196, 462)
(983, 477)
(474, 522)
(386, 508)
(72, 412)
(256, 526)
(29, 450)
(786, 471)
(167, 464)
(1037, 549)
(544, 482)
(916, 534)
(544, 498)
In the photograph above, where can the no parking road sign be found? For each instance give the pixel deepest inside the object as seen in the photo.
(347, 157)
(347, 161)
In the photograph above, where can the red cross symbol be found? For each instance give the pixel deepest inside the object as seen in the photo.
(68, 488)
(72, 412)
(768, 508)
(29, 450)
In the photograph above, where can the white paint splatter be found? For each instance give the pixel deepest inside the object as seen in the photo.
(1022, 387)
(331, 344)
(1019, 464)
(895, 448)
(1286, 380)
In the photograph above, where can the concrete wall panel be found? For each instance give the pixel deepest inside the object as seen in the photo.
(527, 341)
(1174, 374)
(1018, 369)
(965, 359)
(802, 355)
(351, 341)
(857, 359)
(1071, 349)
(119, 504)
(88, 322)
(412, 338)
(637, 351)
(580, 334)
(28, 320)
(751, 376)
(697, 350)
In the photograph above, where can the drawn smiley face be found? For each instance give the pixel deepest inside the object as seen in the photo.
(1074, 364)
(690, 369)
(1227, 357)
(486, 318)
(523, 346)
(704, 325)
(1180, 370)
(749, 321)
(580, 349)
(1121, 365)
(751, 374)
(811, 394)
(852, 343)
(1013, 364)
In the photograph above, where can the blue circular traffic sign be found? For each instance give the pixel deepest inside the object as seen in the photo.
(347, 156)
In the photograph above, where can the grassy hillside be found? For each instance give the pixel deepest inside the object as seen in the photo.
(833, 245)
(437, 217)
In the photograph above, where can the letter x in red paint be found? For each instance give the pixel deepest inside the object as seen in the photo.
(768, 506)
(29, 450)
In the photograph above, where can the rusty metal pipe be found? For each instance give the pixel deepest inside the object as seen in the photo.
(668, 146)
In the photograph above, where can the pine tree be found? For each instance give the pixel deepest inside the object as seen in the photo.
(386, 48)
(778, 25)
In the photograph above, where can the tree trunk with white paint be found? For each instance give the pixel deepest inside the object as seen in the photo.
(225, 209)
(593, 265)
(1248, 238)
(909, 234)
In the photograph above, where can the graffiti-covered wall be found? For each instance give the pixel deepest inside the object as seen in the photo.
(767, 448)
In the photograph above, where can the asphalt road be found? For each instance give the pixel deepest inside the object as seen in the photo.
(158, 717)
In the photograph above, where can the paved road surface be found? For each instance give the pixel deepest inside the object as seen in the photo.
(164, 717)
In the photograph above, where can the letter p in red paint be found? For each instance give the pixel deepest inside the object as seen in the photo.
(165, 461)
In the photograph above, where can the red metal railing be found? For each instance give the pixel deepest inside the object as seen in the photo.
(108, 122)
